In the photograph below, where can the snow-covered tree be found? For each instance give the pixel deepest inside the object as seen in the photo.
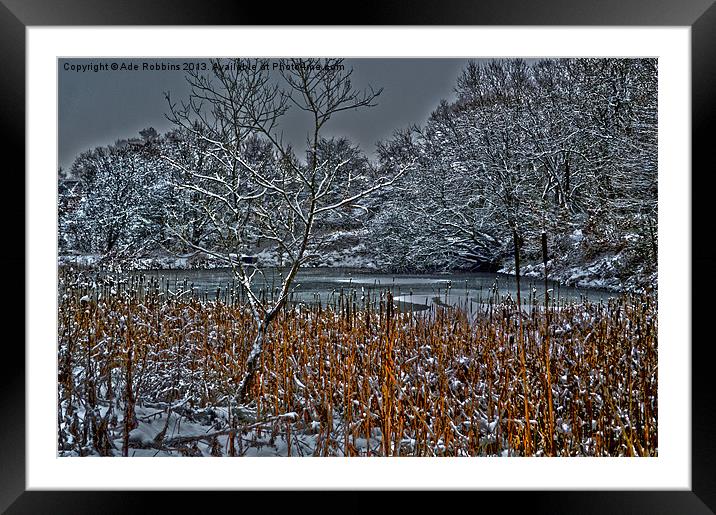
(259, 190)
(560, 147)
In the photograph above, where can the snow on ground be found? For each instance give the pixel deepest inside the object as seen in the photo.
(599, 273)
(191, 436)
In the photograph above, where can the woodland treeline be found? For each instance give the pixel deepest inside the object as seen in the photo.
(564, 147)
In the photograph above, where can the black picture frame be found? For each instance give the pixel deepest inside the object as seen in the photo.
(16, 15)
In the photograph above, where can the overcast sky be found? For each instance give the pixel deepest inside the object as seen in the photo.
(97, 108)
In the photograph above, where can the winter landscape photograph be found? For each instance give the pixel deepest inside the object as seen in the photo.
(357, 257)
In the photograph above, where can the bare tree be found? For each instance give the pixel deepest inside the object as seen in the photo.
(258, 190)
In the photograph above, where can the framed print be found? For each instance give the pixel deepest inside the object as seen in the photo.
(416, 251)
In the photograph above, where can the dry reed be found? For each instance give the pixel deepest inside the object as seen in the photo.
(358, 376)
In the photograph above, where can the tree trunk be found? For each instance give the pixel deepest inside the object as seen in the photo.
(652, 238)
(129, 416)
(544, 259)
(252, 362)
(516, 238)
(566, 183)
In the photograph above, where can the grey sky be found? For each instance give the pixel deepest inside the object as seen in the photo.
(97, 108)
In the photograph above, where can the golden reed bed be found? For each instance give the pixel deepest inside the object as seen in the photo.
(359, 377)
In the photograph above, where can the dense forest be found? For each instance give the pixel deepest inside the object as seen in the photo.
(565, 148)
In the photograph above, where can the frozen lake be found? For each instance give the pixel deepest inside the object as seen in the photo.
(415, 291)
